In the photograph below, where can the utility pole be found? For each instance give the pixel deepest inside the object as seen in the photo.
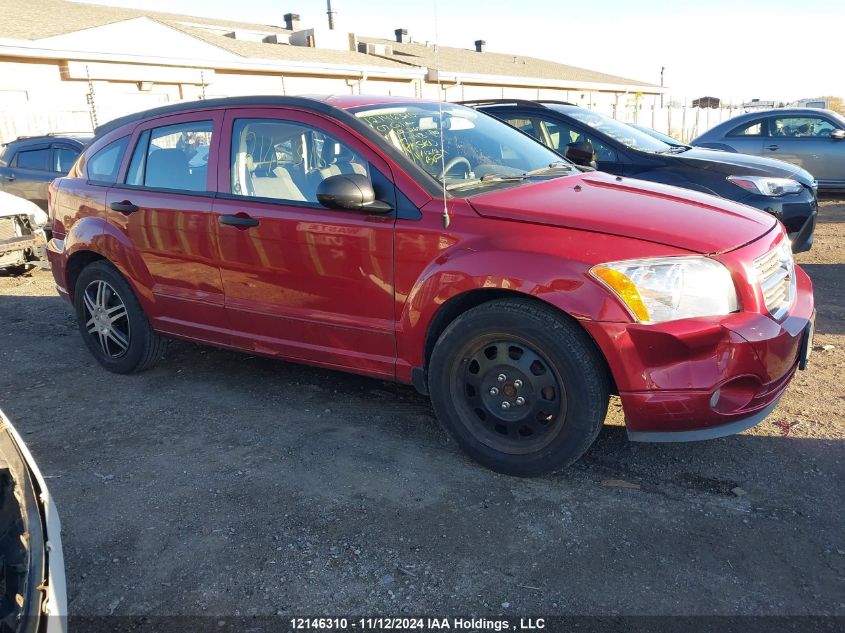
(662, 69)
(331, 13)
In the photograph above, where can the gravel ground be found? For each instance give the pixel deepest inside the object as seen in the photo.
(224, 484)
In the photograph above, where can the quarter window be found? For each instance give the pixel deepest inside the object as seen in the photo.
(104, 165)
(63, 159)
(285, 160)
(172, 157)
(802, 127)
(37, 159)
(748, 129)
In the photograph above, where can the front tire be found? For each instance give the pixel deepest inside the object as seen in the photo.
(112, 322)
(520, 387)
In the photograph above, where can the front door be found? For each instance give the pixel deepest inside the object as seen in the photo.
(806, 140)
(163, 205)
(303, 281)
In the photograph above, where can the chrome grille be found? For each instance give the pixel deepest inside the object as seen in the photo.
(776, 276)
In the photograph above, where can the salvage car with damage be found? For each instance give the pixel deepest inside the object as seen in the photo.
(431, 244)
(22, 234)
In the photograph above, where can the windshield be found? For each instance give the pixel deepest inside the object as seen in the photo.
(477, 150)
(622, 132)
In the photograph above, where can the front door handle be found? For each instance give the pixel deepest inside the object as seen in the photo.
(10, 178)
(241, 220)
(124, 207)
(773, 148)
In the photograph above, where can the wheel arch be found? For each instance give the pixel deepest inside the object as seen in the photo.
(111, 245)
(465, 301)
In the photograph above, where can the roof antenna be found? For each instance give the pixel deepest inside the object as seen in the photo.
(447, 220)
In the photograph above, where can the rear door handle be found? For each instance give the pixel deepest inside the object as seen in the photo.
(241, 220)
(10, 178)
(773, 148)
(125, 207)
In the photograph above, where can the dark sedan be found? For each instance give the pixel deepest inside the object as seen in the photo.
(808, 137)
(589, 138)
(29, 163)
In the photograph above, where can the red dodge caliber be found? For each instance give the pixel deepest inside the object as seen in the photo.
(431, 244)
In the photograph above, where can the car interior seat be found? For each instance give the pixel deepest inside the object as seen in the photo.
(169, 169)
(267, 178)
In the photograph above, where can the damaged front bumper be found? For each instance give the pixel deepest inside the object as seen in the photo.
(21, 244)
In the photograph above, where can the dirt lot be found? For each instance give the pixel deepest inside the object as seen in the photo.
(225, 484)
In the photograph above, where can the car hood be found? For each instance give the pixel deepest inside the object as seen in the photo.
(732, 164)
(13, 205)
(602, 203)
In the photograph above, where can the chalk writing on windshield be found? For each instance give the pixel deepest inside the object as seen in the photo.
(403, 130)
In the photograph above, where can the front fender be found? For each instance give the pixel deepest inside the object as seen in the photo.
(561, 283)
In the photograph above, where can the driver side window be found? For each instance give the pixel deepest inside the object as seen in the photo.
(287, 160)
(562, 135)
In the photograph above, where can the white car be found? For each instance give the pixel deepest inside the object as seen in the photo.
(23, 233)
(33, 596)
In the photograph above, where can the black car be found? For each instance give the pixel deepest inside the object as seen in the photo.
(592, 139)
(29, 163)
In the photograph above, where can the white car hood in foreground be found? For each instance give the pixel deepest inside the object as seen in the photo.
(55, 603)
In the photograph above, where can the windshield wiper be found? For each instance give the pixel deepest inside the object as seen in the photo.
(490, 178)
(558, 164)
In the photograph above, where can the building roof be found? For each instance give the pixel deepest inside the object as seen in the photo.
(37, 19)
(450, 59)
(261, 50)
(40, 19)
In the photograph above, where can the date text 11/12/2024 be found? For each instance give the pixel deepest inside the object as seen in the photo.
(418, 624)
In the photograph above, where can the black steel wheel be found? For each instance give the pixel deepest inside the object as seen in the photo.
(520, 386)
(511, 393)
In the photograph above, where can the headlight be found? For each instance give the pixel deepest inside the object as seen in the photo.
(766, 186)
(670, 288)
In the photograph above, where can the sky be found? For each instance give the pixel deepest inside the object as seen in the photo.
(732, 49)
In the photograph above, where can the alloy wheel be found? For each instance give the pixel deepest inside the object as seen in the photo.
(106, 318)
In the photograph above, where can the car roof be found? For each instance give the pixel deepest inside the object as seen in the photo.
(328, 104)
(75, 137)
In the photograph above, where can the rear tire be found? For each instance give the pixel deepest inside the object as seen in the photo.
(519, 386)
(112, 322)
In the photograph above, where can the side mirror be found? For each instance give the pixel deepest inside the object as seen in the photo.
(837, 135)
(581, 153)
(353, 192)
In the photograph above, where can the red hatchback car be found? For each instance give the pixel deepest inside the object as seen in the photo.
(431, 244)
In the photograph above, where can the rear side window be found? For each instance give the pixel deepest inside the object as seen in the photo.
(754, 128)
(38, 159)
(104, 165)
(172, 157)
(63, 159)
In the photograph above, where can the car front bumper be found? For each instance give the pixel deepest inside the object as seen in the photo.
(703, 378)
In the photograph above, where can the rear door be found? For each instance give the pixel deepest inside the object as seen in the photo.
(164, 208)
(30, 173)
(301, 280)
(806, 140)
